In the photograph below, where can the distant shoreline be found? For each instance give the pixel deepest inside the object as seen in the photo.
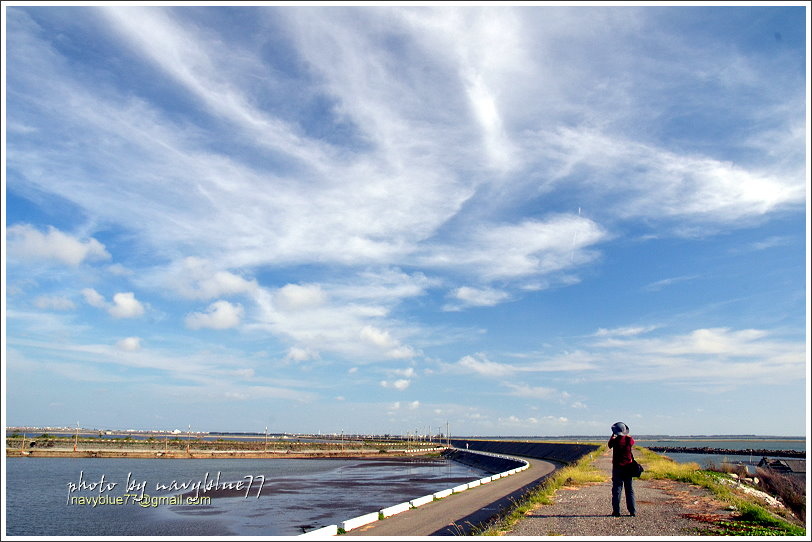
(219, 454)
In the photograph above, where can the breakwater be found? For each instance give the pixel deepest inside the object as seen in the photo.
(560, 452)
(728, 451)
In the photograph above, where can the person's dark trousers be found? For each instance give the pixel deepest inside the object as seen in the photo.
(620, 480)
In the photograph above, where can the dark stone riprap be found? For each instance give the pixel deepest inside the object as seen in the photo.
(727, 451)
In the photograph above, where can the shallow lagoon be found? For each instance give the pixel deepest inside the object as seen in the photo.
(296, 494)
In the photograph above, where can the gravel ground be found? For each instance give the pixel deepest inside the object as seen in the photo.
(664, 508)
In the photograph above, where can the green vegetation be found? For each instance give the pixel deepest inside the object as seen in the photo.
(752, 515)
(748, 528)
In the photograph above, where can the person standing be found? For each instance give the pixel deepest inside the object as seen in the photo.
(621, 444)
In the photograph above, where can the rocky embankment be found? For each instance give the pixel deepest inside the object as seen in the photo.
(560, 452)
(726, 451)
(488, 463)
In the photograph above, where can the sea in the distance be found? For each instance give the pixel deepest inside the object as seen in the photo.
(774, 443)
(707, 460)
(744, 442)
(296, 495)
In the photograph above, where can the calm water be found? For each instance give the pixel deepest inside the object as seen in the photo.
(729, 444)
(297, 495)
(732, 443)
(706, 460)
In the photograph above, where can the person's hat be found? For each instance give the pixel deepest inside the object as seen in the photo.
(620, 428)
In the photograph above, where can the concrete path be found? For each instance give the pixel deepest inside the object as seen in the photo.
(664, 508)
(456, 514)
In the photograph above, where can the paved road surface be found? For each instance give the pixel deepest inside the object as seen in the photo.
(456, 514)
(664, 508)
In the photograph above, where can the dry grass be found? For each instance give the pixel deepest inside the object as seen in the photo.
(789, 489)
(659, 466)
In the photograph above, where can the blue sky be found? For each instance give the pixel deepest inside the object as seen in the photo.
(520, 220)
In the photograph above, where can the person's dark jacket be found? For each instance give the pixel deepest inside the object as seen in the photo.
(621, 450)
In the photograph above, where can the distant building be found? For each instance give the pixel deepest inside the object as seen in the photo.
(795, 467)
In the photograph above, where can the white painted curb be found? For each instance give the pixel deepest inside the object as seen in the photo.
(330, 530)
(359, 521)
(396, 509)
(356, 522)
(421, 501)
(443, 493)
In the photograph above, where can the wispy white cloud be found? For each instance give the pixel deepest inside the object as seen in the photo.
(644, 181)
(481, 365)
(195, 278)
(765, 244)
(517, 421)
(660, 284)
(341, 318)
(300, 354)
(703, 356)
(198, 372)
(59, 303)
(400, 384)
(380, 338)
(408, 372)
(124, 304)
(27, 242)
(219, 315)
(202, 68)
(391, 213)
(624, 331)
(534, 392)
(94, 298)
(129, 344)
(532, 247)
(294, 297)
(424, 152)
(467, 296)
